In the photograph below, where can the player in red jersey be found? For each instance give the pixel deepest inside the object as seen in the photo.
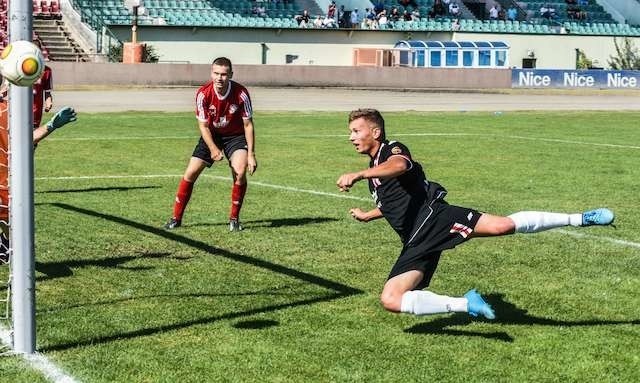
(225, 119)
(42, 98)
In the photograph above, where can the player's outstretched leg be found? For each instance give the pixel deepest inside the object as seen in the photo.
(602, 217)
(477, 306)
(536, 221)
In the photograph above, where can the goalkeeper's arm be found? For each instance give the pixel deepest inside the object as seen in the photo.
(60, 119)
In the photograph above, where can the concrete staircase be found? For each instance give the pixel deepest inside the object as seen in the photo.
(58, 41)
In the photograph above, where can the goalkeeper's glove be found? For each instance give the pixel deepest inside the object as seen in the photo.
(62, 118)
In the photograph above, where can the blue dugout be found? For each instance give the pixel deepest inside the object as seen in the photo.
(453, 54)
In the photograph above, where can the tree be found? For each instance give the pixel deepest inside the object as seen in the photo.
(627, 56)
(582, 61)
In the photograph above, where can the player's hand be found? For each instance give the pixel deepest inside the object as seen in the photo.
(346, 181)
(216, 155)
(62, 118)
(252, 164)
(358, 214)
(48, 104)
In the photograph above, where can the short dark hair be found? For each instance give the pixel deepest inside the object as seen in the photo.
(223, 61)
(372, 116)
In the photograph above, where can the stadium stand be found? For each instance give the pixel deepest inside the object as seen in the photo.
(281, 14)
(48, 29)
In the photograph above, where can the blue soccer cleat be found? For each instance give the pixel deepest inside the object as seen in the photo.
(602, 217)
(477, 306)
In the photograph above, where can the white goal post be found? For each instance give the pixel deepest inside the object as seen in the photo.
(21, 189)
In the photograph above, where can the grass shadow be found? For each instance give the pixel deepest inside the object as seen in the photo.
(97, 189)
(507, 313)
(336, 290)
(53, 270)
(272, 222)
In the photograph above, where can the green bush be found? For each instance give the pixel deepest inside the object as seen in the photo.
(627, 56)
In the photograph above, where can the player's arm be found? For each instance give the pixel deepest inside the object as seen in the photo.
(249, 135)
(365, 216)
(216, 153)
(60, 119)
(393, 167)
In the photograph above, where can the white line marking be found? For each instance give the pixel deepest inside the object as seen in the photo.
(608, 239)
(38, 361)
(499, 136)
(315, 192)
(131, 138)
(522, 138)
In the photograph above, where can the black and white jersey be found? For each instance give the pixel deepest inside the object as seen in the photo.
(401, 198)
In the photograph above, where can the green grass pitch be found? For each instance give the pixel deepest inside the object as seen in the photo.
(294, 298)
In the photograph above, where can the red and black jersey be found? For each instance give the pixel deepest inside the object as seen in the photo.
(224, 113)
(401, 198)
(40, 90)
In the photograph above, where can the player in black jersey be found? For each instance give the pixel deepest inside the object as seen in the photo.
(427, 224)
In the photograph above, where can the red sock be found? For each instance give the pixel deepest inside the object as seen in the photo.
(182, 198)
(237, 196)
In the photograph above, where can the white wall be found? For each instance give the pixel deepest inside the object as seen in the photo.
(335, 47)
(553, 52)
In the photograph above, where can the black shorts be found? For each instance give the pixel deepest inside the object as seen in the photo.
(228, 144)
(440, 227)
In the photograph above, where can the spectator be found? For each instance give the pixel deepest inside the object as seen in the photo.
(512, 13)
(395, 14)
(583, 3)
(259, 10)
(455, 25)
(406, 16)
(341, 20)
(547, 12)
(493, 12)
(328, 22)
(406, 3)
(303, 19)
(331, 12)
(502, 14)
(382, 19)
(355, 18)
(371, 20)
(415, 15)
(318, 22)
(438, 9)
(454, 9)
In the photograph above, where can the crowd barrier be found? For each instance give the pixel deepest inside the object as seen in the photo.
(74, 74)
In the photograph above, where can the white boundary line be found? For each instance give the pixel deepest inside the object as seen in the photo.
(525, 138)
(608, 239)
(39, 362)
(319, 193)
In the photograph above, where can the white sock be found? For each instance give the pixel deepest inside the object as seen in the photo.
(535, 221)
(421, 302)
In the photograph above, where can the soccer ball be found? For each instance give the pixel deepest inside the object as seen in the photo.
(22, 63)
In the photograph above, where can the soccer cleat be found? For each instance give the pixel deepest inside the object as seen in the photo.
(602, 217)
(172, 224)
(477, 306)
(234, 225)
